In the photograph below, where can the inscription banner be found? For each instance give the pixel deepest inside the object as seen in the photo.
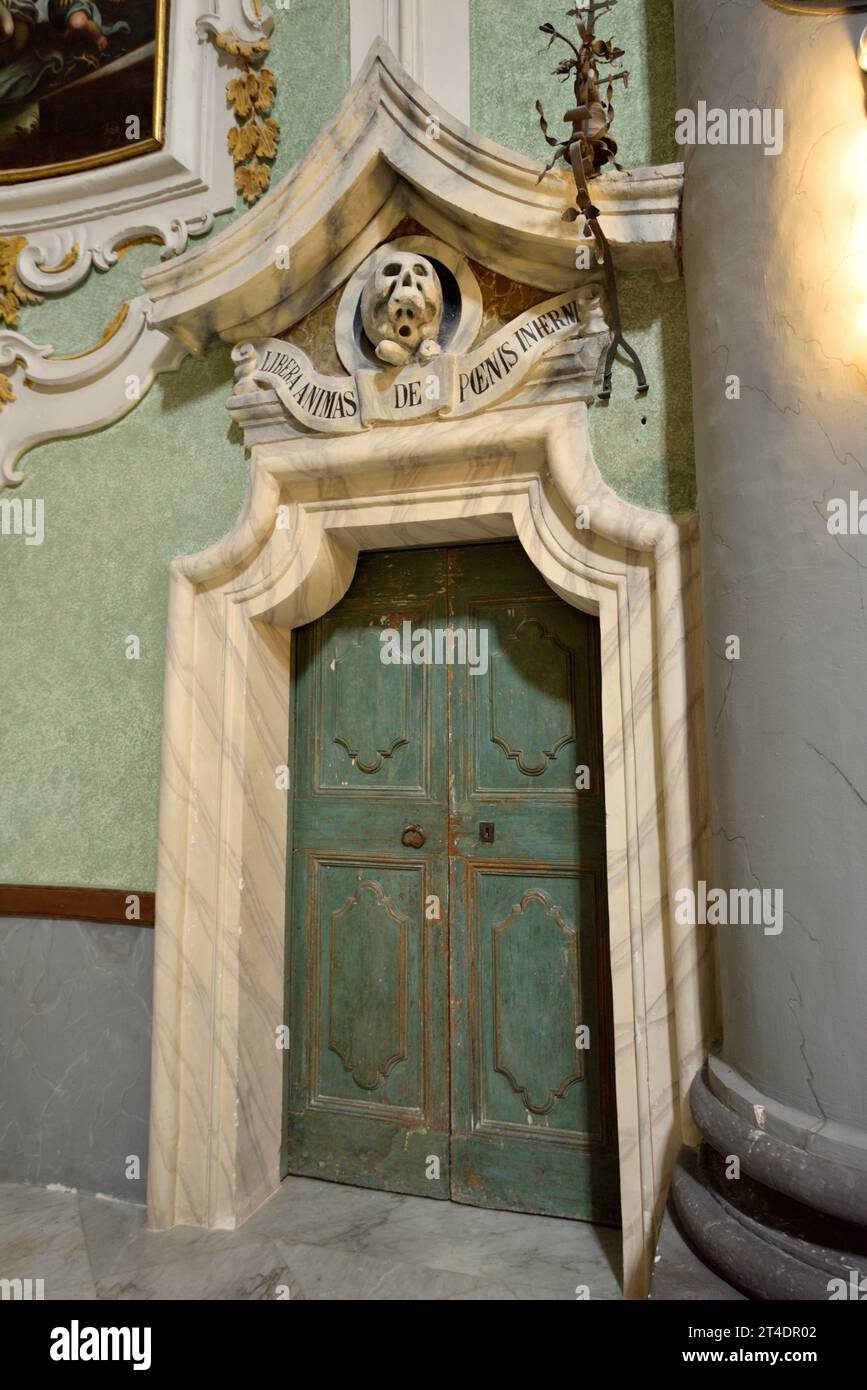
(450, 386)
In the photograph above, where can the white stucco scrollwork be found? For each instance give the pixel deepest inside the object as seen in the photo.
(56, 396)
(63, 228)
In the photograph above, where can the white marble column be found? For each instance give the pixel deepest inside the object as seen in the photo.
(775, 251)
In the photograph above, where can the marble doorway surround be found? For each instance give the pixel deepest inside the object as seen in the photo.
(524, 468)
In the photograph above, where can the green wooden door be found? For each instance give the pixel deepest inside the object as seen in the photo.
(533, 1123)
(369, 1084)
(449, 1003)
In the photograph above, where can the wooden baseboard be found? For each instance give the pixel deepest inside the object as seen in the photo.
(78, 904)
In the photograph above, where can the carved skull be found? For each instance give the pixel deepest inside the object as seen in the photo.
(402, 308)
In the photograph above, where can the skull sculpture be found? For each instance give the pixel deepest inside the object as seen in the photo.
(402, 308)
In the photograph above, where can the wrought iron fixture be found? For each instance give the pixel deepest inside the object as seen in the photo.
(587, 150)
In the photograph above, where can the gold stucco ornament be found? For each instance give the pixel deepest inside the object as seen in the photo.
(251, 97)
(12, 292)
(12, 295)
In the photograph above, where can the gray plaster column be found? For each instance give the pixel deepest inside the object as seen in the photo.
(775, 257)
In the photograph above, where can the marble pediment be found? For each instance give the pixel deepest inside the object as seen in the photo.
(391, 153)
(393, 160)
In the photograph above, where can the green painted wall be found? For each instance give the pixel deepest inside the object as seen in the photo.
(643, 447)
(80, 737)
(79, 741)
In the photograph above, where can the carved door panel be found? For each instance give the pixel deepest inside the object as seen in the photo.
(533, 1119)
(368, 1072)
(526, 1119)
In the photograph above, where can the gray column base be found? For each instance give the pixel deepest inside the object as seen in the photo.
(842, 1144)
(787, 1227)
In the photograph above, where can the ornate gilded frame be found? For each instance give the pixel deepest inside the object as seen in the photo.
(134, 148)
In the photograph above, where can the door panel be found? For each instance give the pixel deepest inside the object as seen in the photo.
(532, 1119)
(531, 967)
(368, 1092)
(367, 955)
(365, 745)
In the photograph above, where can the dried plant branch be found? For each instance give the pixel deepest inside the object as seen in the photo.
(588, 148)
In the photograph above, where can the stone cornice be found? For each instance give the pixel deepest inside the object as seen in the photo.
(378, 160)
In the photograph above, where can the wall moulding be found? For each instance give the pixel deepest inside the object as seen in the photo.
(49, 397)
(75, 222)
(122, 906)
(78, 221)
(431, 41)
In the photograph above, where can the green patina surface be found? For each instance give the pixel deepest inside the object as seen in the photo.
(79, 748)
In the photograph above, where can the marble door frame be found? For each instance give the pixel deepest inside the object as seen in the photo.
(313, 504)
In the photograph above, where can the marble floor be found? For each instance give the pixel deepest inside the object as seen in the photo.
(311, 1240)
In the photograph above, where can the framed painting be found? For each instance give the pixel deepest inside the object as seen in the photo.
(82, 84)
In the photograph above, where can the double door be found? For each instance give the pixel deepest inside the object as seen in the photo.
(449, 994)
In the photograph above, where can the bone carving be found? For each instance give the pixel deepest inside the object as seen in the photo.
(402, 308)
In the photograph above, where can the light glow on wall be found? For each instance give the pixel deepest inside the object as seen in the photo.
(861, 212)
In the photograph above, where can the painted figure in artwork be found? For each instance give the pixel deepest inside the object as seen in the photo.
(79, 81)
(34, 34)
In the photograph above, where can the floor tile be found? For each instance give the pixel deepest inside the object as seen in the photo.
(498, 1247)
(41, 1237)
(317, 1273)
(119, 1242)
(251, 1271)
(312, 1240)
(679, 1274)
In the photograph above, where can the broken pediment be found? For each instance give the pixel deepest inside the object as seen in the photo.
(392, 153)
